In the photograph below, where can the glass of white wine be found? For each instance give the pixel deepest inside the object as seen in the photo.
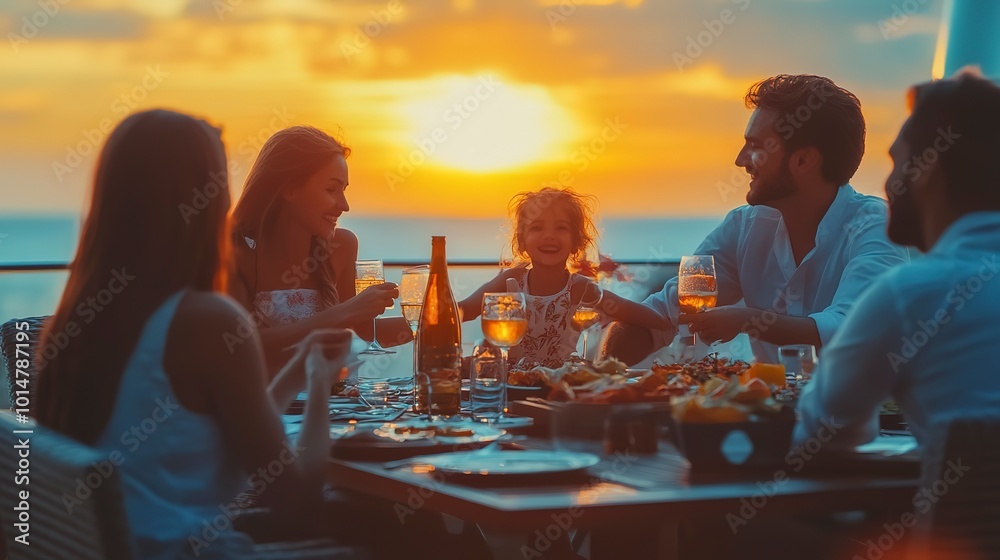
(504, 322)
(412, 288)
(367, 274)
(583, 318)
(696, 284)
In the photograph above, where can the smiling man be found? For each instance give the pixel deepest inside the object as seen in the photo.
(793, 261)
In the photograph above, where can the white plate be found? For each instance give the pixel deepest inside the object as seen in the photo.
(448, 433)
(506, 463)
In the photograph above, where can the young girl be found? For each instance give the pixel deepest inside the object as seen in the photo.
(552, 230)
(294, 266)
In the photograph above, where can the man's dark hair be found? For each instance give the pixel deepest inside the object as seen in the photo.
(956, 122)
(813, 111)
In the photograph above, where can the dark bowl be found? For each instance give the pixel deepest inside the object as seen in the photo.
(756, 443)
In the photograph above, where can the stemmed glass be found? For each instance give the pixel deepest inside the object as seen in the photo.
(412, 289)
(370, 273)
(583, 318)
(696, 285)
(504, 322)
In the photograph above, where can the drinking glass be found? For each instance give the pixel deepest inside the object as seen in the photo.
(583, 318)
(375, 393)
(504, 322)
(696, 285)
(412, 289)
(370, 273)
(486, 384)
(799, 361)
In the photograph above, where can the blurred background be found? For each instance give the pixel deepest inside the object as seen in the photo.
(450, 108)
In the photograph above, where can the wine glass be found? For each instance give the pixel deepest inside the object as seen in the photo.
(412, 289)
(504, 322)
(696, 285)
(583, 318)
(370, 273)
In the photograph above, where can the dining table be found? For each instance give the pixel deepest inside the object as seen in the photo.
(633, 505)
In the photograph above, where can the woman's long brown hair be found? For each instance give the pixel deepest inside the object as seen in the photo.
(156, 225)
(288, 159)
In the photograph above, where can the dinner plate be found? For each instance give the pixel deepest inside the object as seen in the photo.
(448, 433)
(396, 440)
(510, 463)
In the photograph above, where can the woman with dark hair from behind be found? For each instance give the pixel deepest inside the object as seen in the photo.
(294, 266)
(156, 352)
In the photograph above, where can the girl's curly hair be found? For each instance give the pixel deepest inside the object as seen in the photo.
(526, 206)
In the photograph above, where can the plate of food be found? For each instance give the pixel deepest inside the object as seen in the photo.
(406, 438)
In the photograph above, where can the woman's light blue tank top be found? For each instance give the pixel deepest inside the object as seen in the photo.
(178, 477)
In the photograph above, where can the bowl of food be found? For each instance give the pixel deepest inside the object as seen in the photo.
(731, 424)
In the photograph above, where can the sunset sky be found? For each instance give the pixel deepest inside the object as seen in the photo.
(451, 106)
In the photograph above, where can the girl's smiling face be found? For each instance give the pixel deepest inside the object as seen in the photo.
(547, 234)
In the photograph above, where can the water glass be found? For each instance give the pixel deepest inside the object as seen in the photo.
(487, 385)
(374, 392)
(799, 361)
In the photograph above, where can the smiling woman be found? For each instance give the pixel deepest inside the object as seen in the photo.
(482, 123)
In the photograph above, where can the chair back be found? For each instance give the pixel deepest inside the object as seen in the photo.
(32, 329)
(74, 506)
(958, 508)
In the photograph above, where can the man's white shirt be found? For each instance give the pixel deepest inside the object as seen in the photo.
(754, 263)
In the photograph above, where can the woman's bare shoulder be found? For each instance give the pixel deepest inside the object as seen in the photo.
(345, 240)
(209, 311)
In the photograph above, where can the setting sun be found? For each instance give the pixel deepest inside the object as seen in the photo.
(484, 123)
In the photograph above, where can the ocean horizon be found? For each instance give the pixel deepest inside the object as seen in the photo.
(53, 239)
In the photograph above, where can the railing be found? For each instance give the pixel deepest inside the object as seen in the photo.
(43, 267)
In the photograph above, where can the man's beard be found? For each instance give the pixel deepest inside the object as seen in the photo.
(904, 222)
(770, 190)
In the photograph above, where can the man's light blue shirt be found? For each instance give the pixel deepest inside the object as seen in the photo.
(927, 335)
